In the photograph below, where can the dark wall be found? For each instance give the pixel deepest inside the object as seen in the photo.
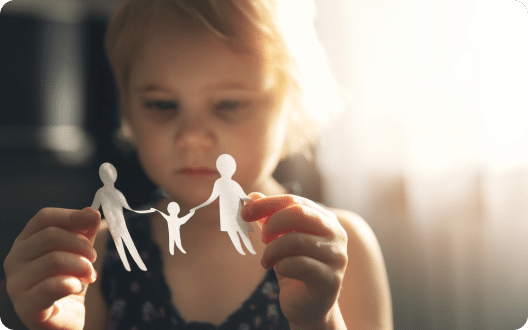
(31, 177)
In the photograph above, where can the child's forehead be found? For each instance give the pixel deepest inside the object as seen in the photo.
(241, 37)
(170, 51)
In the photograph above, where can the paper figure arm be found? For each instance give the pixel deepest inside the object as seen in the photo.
(121, 198)
(166, 216)
(187, 217)
(182, 219)
(240, 192)
(246, 199)
(211, 199)
(97, 201)
(151, 210)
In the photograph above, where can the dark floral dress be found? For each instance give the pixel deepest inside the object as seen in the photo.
(142, 300)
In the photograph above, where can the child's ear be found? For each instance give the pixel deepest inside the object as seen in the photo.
(126, 130)
(124, 137)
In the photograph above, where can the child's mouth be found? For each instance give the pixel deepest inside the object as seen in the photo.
(198, 172)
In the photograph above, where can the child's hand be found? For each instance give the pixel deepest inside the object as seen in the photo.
(49, 267)
(307, 247)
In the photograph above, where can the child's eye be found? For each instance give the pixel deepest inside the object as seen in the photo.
(230, 105)
(161, 105)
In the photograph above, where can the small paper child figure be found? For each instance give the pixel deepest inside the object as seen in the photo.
(174, 224)
(230, 194)
(112, 202)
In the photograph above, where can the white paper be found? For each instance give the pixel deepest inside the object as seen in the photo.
(174, 223)
(231, 196)
(112, 202)
(226, 189)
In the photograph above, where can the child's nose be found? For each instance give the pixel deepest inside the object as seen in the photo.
(193, 132)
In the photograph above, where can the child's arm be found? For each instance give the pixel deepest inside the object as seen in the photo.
(365, 298)
(49, 267)
(309, 248)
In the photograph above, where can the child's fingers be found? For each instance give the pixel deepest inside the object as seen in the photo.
(254, 196)
(88, 221)
(321, 282)
(63, 263)
(262, 207)
(56, 239)
(300, 244)
(45, 294)
(265, 206)
(83, 221)
(50, 265)
(299, 218)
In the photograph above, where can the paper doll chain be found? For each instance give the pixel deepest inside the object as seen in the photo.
(228, 191)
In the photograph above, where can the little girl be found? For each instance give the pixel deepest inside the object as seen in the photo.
(197, 79)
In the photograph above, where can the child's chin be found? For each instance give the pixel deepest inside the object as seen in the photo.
(192, 197)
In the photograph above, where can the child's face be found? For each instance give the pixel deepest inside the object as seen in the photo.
(192, 99)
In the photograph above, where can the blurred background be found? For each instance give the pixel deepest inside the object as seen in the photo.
(432, 149)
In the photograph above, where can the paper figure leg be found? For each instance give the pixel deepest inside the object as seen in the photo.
(175, 238)
(178, 242)
(171, 242)
(247, 242)
(133, 251)
(121, 251)
(236, 241)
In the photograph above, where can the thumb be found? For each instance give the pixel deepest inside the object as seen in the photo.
(91, 221)
(255, 196)
(246, 210)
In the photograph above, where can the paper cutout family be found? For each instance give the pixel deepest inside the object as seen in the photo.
(228, 191)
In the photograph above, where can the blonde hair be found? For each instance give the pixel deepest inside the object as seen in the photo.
(284, 28)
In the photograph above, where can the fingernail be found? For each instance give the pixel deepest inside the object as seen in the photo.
(92, 215)
(93, 277)
(94, 256)
(93, 274)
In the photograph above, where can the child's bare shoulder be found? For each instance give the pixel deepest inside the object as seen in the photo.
(358, 230)
(365, 290)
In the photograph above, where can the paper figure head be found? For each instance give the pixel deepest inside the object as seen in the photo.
(173, 208)
(108, 173)
(226, 165)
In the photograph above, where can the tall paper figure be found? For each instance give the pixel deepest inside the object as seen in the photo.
(230, 194)
(174, 224)
(112, 202)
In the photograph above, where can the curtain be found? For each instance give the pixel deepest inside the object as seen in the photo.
(432, 150)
